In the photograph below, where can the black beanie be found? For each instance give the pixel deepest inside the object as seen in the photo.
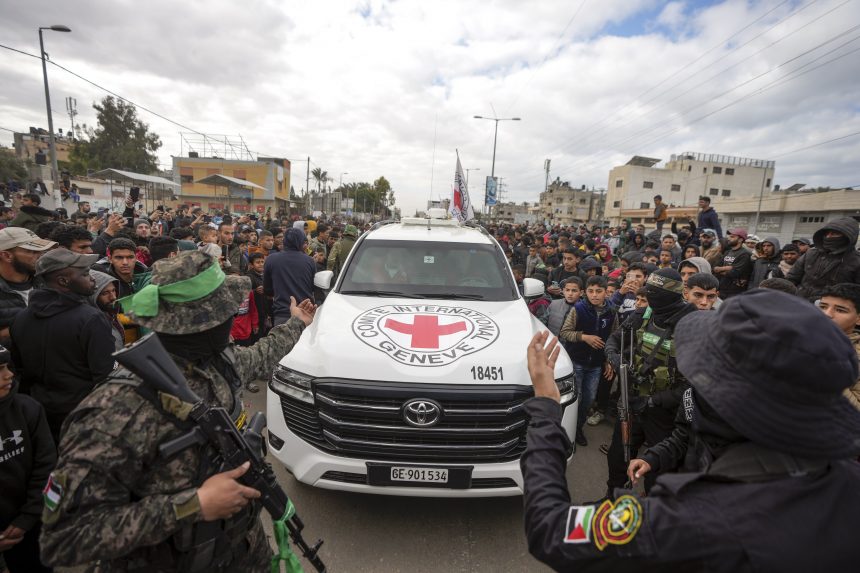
(664, 289)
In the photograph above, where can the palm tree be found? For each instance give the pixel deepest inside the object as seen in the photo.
(319, 176)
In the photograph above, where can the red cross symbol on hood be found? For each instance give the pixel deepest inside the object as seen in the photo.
(425, 330)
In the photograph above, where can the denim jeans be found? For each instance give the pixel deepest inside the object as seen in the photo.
(587, 381)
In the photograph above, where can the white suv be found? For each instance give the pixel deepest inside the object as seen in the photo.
(412, 377)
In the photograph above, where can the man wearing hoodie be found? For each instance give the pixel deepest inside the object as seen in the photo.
(104, 298)
(708, 218)
(27, 456)
(834, 259)
(691, 266)
(289, 273)
(61, 345)
(30, 214)
(19, 251)
(767, 264)
(736, 266)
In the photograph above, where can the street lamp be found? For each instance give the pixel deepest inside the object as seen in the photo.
(495, 137)
(52, 144)
(467, 174)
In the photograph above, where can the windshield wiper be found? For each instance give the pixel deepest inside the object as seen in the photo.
(453, 296)
(381, 293)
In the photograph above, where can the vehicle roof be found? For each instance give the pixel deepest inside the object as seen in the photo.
(418, 230)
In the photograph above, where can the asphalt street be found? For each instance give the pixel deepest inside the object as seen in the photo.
(378, 533)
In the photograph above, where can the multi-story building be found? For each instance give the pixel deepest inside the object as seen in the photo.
(684, 179)
(784, 214)
(562, 204)
(272, 174)
(35, 146)
(524, 213)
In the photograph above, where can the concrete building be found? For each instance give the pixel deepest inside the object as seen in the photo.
(784, 214)
(518, 213)
(684, 179)
(562, 204)
(35, 146)
(273, 174)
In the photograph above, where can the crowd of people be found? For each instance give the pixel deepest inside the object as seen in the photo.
(75, 288)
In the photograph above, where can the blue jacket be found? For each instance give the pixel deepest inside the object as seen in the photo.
(588, 321)
(708, 220)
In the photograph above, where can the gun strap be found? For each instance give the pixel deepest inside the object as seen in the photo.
(282, 538)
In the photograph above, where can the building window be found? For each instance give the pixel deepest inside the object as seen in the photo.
(704, 169)
(619, 183)
(717, 170)
(689, 167)
(85, 191)
(812, 219)
(768, 183)
(713, 191)
(727, 192)
(616, 204)
(647, 184)
(582, 201)
(186, 178)
(730, 170)
(644, 205)
(676, 187)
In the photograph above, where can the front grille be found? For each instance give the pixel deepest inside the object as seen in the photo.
(477, 483)
(346, 477)
(491, 483)
(481, 424)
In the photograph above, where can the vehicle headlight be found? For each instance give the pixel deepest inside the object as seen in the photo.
(293, 384)
(567, 389)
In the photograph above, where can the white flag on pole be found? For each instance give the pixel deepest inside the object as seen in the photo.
(461, 205)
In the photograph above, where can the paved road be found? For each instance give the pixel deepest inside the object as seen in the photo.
(365, 533)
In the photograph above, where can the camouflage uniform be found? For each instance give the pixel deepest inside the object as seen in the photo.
(123, 507)
(341, 249)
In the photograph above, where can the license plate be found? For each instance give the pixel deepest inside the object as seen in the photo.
(423, 475)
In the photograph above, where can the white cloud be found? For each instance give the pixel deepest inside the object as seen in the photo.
(361, 86)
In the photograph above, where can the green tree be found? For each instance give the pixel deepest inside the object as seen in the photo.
(320, 177)
(12, 168)
(121, 141)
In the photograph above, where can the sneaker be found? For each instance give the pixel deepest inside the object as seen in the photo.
(595, 418)
(580, 439)
(252, 388)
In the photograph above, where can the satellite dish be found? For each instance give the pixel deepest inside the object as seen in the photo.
(280, 173)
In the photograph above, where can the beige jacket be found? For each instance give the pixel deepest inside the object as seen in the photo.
(853, 393)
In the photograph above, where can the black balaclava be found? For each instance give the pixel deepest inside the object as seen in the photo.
(834, 245)
(714, 434)
(665, 293)
(199, 346)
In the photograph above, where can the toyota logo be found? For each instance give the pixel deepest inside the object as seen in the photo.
(422, 413)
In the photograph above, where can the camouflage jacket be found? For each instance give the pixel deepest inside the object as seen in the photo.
(114, 499)
(338, 254)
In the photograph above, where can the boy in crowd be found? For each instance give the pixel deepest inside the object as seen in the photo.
(664, 259)
(841, 303)
(790, 254)
(702, 290)
(783, 285)
(641, 299)
(571, 290)
(256, 262)
(28, 455)
(584, 333)
(691, 266)
(624, 298)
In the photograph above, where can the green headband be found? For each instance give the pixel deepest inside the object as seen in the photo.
(145, 301)
(665, 283)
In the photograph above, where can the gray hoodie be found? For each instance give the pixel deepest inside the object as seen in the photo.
(700, 263)
(103, 280)
(767, 268)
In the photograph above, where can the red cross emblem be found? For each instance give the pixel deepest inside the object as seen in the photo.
(425, 330)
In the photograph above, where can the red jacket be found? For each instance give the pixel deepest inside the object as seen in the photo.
(246, 321)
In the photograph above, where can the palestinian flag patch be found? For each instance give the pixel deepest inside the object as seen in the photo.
(579, 524)
(53, 492)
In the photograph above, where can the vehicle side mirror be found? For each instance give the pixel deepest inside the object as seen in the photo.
(322, 279)
(531, 288)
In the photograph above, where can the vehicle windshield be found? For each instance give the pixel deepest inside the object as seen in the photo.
(425, 269)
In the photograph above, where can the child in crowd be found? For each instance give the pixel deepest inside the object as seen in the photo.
(702, 290)
(842, 304)
(571, 290)
(255, 272)
(584, 333)
(641, 298)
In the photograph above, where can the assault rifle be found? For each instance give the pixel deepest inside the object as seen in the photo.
(148, 359)
(625, 417)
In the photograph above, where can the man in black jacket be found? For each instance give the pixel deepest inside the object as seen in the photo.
(61, 344)
(775, 471)
(27, 456)
(19, 251)
(735, 268)
(834, 259)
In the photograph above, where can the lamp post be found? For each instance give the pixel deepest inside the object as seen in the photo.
(52, 144)
(467, 174)
(340, 186)
(495, 138)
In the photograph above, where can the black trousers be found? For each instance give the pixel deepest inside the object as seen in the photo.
(24, 556)
(650, 427)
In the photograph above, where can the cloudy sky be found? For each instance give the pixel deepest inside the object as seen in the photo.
(382, 87)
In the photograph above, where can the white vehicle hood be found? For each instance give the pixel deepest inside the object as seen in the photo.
(419, 340)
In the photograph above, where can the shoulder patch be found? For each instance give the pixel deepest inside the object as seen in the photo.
(578, 528)
(53, 492)
(616, 523)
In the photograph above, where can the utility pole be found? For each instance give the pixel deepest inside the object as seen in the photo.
(754, 229)
(307, 183)
(72, 109)
(546, 168)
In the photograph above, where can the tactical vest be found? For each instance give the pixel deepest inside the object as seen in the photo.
(202, 545)
(654, 357)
